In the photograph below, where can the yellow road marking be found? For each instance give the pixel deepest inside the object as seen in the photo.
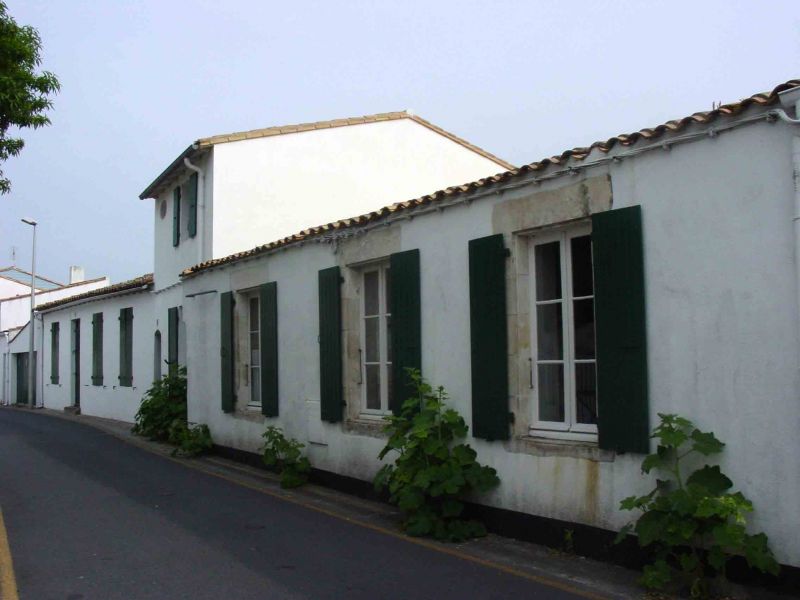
(549, 582)
(8, 583)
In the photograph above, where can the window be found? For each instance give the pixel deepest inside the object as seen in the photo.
(563, 363)
(54, 339)
(376, 344)
(126, 347)
(254, 351)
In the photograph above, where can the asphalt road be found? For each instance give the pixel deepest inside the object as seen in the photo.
(91, 517)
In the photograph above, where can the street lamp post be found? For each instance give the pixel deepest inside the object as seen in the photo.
(31, 360)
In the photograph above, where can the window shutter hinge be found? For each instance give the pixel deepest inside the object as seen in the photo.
(511, 417)
(507, 252)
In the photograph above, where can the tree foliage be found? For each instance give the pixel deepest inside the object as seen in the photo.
(695, 523)
(24, 92)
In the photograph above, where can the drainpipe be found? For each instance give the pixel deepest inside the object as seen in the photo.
(791, 99)
(201, 208)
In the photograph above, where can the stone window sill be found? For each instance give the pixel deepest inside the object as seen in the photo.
(250, 414)
(366, 426)
(539, 446)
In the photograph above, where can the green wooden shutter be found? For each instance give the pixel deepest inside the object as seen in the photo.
(330, 345)
(488, 337)
(176, 216)
(268, 323)
(54, 342)
(191, 193)
(172, 338)
(226, 352)
(620, 328)
(126, 347)
(404, 304)
(97, 349)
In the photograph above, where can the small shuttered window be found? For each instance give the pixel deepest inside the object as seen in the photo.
(404, 302)
(191, 201)
(228, 399)
(54, 343)
(97, 349)
(330, 345)
(176, 216)
(268, 332)
(126, 347)
(488, 338)
(617, 244)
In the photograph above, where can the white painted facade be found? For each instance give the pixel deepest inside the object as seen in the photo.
(262, 189)
(15, 311)
(721, 316)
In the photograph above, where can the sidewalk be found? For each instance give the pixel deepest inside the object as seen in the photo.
(585, 577)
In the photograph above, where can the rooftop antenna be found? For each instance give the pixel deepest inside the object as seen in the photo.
(13, 256)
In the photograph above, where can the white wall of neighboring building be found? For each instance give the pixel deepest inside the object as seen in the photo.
(15, 312)
(271, 187)
(109, 400)
(10, 288)
(722, 321)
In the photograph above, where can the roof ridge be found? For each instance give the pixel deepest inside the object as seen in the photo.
(577, 154)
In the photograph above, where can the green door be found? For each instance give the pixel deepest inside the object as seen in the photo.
(22, 378)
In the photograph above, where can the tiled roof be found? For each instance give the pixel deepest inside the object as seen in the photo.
(131, 284)
(575, 154)
(204, 143)
(40, 293)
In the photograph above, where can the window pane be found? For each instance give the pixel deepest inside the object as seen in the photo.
(373, 376)
(586, 392)
(371, 299)
(254, 341)
(253, 314)
(551, 393)
(388, 274)
(583, 313)
(549, 333)
(372, 341)
(548, 271)
(389, 339)
(255, 358)
(255, 386)
(582, 266)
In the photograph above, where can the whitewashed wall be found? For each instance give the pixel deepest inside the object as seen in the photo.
(15, 312)
(721, 316)
(9, 288)
(271, 187)
(109, 400)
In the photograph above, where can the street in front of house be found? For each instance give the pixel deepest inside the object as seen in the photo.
(89, 516)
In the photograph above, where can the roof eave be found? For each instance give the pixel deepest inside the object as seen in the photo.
(152, 190)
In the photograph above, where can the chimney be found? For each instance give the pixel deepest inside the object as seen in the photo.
(76, 274)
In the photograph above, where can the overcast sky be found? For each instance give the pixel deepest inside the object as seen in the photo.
(524, 80)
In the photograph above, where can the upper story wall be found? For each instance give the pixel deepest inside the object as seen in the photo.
(9, 288)
(271, 187)
(170, 259)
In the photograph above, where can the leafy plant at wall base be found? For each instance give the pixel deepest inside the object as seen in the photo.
(189, 441)
(163, 403)
(431, 472)
(694, 523)
(285, 455)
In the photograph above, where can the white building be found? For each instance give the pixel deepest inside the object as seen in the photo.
(15, 312)
(563, 305)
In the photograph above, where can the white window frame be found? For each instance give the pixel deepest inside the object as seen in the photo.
(569, 429)
(252, 380)
(381, 268)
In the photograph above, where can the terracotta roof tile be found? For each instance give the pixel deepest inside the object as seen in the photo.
(131, 284)
(575, 154)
